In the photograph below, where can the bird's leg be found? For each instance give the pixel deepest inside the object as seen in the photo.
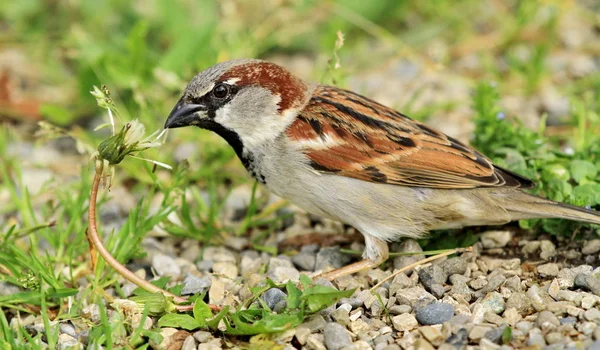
(376, 252)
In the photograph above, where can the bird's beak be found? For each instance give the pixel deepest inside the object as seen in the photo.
(185, 114)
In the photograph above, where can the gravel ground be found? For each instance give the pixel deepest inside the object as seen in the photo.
(546, 290)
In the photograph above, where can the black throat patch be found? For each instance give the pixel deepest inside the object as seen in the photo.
(233, 139)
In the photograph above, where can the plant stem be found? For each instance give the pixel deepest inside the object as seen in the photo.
(96, 245)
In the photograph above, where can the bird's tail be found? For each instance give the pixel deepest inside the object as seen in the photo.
(521, 205)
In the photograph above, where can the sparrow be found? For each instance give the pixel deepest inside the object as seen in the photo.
(343, 156)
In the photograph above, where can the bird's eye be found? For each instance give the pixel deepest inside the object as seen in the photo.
(220, 91)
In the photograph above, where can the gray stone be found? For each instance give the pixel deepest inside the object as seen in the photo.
(189, 343)
(354, 302)
(520, 302)
(165, 265)
(400, 309)
(407, 246)
(275, 299)
(495, 239)
(305, 261)
(456, 265)
(494, 283)
(536, 338)
(414, 296)
(336, 337)
(7, 288)
(592, 315)
(547, 249)
(458, 340)
(431, 275)
(591, 247)
(548, 270)
(436, 313)
(568, 320)
(478, 331)
(437, 290)
(315, 323)
(202, 336)
(67, 342)
(547, 320)
(495, 335)
(401, 281)
(193, 284)
(513, 283)
(330, 257)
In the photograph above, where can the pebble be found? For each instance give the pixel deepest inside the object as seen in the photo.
(165, 265)
(67, 342)
(413, 296)
(520, 302)
(189, 343)
(194, 285)
(330, 258)
(456, 265)
(305, 261)
(592, 315)
(495, 239)
(591, 247)
(432, 275)
(459, 339)
(407, 246)
(404, 322)
(275, 299)
(432, 334)
(336, 337)
(435, 313)
(493, 283)
(548, 270)
(226, 269)
(512, 316)
(546, 320)
(315, 342)
(493, 302)
(495, 334)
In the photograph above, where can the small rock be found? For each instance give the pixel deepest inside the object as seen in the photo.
(492, 318)
(455, 266)
(486, 344)
(401, 281)
(189, 343)
(413, 296)
(67, 342)
(315, 342)
(432, 334)
(216, 293)
(477, 332)
(520, 302)
(493, 302)
(202, 336)
(495, 239)
(546, 320)
(404, 322)
(547, 249)
(407, 246)
(305, 261)
(315, 323)
(548, 270)
(431, 275)
(458, 340)
(592, 315)
(569, 295)
(437, 290)
(359, 326)
(586, 328)
(165, 265)
(512, 316)
(282, 274)
(478, 283)
(531, 247)
(359, 345)
(495, 335)
(435, 313)
(330, 258)
(400, 309)
(225, 268)
(336, 337)
(302, 334)
(7, 288)
(536, 338)
(493, 283)
(193, 284)
(275, 299)
(553, 289)
(591, 247)
(568, 320)
(587, 302)
(513, 283)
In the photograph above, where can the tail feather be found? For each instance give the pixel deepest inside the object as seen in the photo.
(525, 206)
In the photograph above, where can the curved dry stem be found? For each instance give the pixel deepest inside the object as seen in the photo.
(97, 245)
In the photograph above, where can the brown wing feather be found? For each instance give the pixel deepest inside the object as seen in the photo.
(347, 134)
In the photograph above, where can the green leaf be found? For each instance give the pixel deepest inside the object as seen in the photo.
(507, 335)
(214, 322)
(202, 312)
(250, 322)
(582, 169)
(294, 294)
(184, 321)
